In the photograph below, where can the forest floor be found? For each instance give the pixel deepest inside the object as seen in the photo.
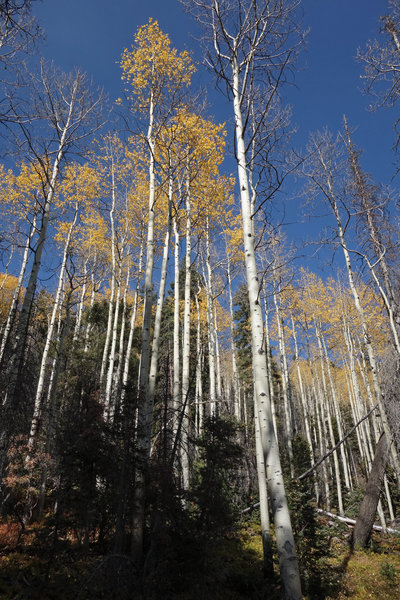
(229, 567)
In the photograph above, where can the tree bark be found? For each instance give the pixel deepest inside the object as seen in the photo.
(366, 517)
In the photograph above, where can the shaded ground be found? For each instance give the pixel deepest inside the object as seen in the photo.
(38, 567)
(372, 573)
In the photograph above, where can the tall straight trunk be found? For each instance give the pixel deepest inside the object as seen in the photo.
(16, 295)
(112, 304)
(327, 417)
(335, 409)
(112, 343)
(366, 336)
(283, 530)
(304, 405)
(269, 369)
(52, 396)
(17, 360)
(288, 412)
(142, 443)
(157, 323)
(303, 398)
(217, 359)
(322, 431)
(132, 323)
(268, 565)
(186, 347)
(199, 368)
(236, 396)
(49, 337)
(367, 204)
(210, 327)
(322, 449)
(176, 359)
(116, 384)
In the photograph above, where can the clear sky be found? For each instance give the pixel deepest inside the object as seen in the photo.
(93, 34)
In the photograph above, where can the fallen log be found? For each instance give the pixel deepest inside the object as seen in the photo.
(352, 522)
(346, 520)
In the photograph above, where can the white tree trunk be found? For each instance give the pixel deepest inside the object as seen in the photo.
(112, 304)
(49, 337)
(14, 304)
(157, 322)
(236, 395)
(132, 323)
(199, 367)
(366, 336)
(186, 349)
(263, 496)
(285, 386)
(283, 529)
(210, 328)
(176, 359)
(142, 443)
(110, 358)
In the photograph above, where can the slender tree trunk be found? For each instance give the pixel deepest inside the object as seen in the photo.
(186, 348)
(283, 530)
(157, 324)
(199, 367)
(112, 304)
(16, 296)
(142, 458)
(363, 527)
(177, 367)
(285, 386)
(49, 338)
(110, 357)
(51, 401)
(366, 336)
(336, 409)
(210, 328)
(236, 398)
(268, 564)
(269, 369)
(132, 323)
(116, 384)
(217, 360)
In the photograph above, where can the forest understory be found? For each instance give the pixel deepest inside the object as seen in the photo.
(33, 566)
(185, 411)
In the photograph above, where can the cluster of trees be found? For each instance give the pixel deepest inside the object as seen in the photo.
(126, 381)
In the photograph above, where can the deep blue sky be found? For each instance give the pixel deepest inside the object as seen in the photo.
(93, 33)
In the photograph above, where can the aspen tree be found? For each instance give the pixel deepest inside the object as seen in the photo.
(186, 339)
(64, 108)
(245, 36)
(324, 178)
(287, 404)
(112, 157)
(232, 240)
(369, 204)
(198, 148)
(199, 404)
(79, 185)
(17, 193)
(156, 76)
